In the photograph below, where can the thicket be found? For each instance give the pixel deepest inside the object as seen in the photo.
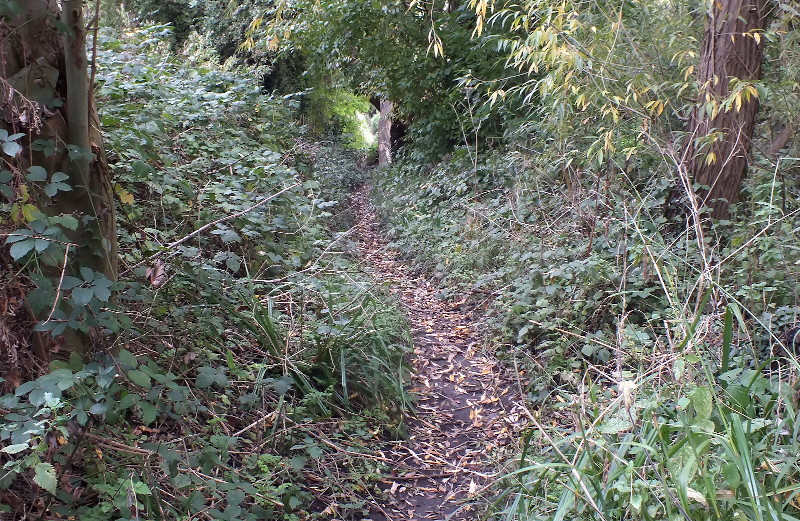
(252, 365)
(545, 140)
(659, 353)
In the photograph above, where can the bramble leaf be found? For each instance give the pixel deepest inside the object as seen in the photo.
(45, 476)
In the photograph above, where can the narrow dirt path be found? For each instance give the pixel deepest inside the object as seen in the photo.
(466, 402)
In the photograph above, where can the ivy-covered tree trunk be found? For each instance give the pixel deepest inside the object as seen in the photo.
(721, 127)
(47, 98)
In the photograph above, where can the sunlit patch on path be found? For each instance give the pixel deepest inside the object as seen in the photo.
(466, 402)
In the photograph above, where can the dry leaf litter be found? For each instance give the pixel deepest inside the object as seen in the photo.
(468, 413)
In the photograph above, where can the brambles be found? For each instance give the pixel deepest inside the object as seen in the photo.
(253, 360)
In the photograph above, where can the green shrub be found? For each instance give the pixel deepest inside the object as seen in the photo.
(338, 112)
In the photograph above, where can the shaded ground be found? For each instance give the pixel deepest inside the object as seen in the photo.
(466, 408)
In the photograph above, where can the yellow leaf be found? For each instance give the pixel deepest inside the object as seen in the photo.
(24, 195)
(29, 212)
(16, 214)
(125, 197)
(711, 158)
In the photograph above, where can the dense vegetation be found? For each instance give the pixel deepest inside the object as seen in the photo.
(251, 364)
(560, 169)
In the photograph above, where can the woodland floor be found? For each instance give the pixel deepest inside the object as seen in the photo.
(468, 408)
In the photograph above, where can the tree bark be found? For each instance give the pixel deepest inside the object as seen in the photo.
(718, 142)
(385, 133)
(46, 95)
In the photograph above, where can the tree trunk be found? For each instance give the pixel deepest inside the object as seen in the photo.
(385, 133)
(46, 96)
(718, 141)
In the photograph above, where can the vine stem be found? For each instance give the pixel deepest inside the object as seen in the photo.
(60, 283)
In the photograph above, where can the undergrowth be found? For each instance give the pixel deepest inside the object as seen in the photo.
(255, 367)
(658, 355)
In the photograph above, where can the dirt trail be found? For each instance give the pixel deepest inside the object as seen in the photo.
(466, 402)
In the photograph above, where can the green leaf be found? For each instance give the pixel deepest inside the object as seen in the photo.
(99, 408)
(67, 221)
(126, 359)
(36, 173)
(182, 481)
(139, 378)
(730, 471)
(48, 146)
(87, 273)
(53, 188)
(298, 462)
(101, 293)
(59, 177)
(314, 451)
(41, 245)
(206, 376)
(19, 235)
(102, 282)
(6, 176)
(13, 7)
(70, 282)
(13, 449)
(45, 476)
(227, 235)
(727, 336)
(679, 368)
(233, 263)
(141, 169)
(149, 412)
(615, 425)
(21, 248)
(235, 497)
(82, 296)
(702, 402)
(128, 401)
(11, 148)
(141, 489)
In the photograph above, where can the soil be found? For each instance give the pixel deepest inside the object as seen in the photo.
(467, 413)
